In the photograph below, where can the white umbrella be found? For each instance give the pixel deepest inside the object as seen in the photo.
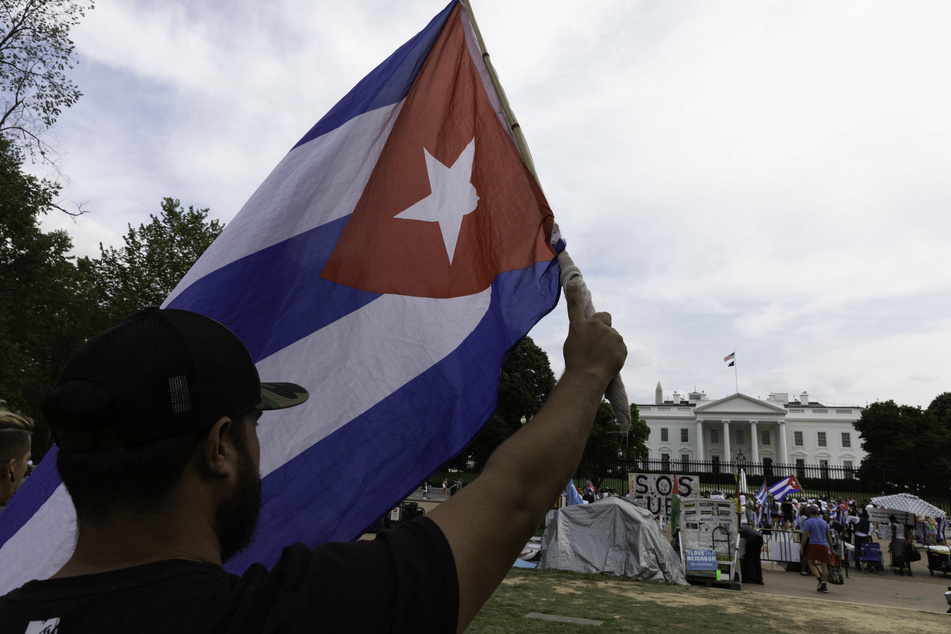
(908, 503)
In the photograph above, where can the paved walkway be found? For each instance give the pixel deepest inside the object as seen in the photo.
(919, 592)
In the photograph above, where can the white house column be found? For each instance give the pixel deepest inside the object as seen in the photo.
(782, 442)
(700, 440)
(726, 441)
(755, 441)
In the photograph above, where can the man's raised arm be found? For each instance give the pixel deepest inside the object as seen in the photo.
(488, 523)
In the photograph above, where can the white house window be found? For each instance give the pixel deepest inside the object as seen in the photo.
(684, 435)
(797, 438)
(663, 434)
(739, 436)
(846, 439)
(821, 437)
(685, 462)
(665, 461)
(764, 437)
(715, 436)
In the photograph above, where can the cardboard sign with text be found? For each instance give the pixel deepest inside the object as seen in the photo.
(881, 515)
(653, 490)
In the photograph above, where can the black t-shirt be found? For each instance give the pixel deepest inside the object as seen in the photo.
(403, 581)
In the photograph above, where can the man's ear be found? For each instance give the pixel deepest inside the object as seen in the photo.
(217, 447)
(6, 468)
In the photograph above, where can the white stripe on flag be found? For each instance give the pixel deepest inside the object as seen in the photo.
(369, 363)
(315, 183)
(25, 557)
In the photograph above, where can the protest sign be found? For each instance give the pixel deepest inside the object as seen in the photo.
(653, 490)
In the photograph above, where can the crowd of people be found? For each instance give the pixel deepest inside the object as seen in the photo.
(849, 527)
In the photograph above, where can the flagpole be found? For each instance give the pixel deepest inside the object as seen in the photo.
(736, 381)
(616, 392)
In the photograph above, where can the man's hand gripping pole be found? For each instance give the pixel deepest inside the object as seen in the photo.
(616, 392)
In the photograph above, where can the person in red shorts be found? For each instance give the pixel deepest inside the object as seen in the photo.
(818, 537)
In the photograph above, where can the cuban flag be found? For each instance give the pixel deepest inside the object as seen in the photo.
(387, 264)
(762, 497)
(590, 489)
(572, 494)
(841, 513)
(784, 487)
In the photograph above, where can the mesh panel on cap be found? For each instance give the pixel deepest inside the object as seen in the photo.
(170, 372)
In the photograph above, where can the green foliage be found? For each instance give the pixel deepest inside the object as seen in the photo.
(608, 443)
(154, 259)
(899, 438)
(637, 438)
(46, 310)
(35, 53)
(524, 385)
(940, 408)
(51, 306)
(608, 451)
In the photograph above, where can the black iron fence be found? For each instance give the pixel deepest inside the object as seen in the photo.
(817, 480)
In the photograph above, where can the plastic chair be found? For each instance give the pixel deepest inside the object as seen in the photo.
(870, 558)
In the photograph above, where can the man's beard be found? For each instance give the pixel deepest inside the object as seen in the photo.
(237, 517)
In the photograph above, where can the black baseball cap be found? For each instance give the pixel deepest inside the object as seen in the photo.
(167, 372)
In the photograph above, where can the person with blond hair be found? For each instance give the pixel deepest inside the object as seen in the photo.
(931, 530)
(15, 437)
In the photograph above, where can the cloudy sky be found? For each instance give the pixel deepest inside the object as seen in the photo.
(772, 177)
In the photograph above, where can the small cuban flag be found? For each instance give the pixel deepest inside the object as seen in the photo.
(784, 487)
(388, 264)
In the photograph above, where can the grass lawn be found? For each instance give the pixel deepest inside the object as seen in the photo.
(623, 605)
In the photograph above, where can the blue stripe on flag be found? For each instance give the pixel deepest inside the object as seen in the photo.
(387, 83)
(435, 414)
(291, 301)
(31, 496)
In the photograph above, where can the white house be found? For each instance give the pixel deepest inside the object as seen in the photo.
(741, 428)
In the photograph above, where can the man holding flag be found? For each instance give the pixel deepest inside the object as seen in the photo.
(387, 264)
(166, 488)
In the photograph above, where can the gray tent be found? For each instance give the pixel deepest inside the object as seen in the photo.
(909, 503)
(612, 536)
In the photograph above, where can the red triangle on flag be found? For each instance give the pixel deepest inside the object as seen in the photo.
(445, 111)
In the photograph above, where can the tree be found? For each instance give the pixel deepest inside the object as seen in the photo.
(637, 438)
(154, 259)
(608, 443)
(901, 440)
(47, 311)
(940, 409)
(525, 382)
(608, 451)
(35, 53)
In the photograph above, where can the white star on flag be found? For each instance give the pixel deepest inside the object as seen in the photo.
(453, 196)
